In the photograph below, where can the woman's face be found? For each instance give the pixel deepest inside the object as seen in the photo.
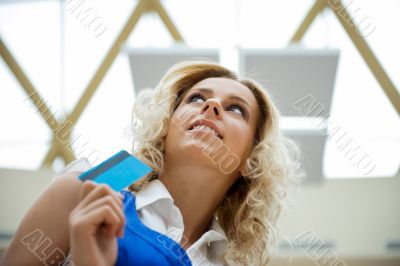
(214, 125)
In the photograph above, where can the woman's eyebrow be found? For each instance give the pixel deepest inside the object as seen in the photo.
(233, 97)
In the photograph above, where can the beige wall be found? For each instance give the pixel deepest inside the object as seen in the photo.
(359, 215)
(18, 190)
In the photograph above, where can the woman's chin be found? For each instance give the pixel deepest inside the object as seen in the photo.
(201, 152)
(205, 149)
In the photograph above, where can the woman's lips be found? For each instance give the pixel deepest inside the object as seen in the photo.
(206, 129)
(205, 124)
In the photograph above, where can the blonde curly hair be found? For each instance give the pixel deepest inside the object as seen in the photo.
(249, 212)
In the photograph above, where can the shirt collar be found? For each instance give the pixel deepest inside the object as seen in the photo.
(152, 192)
(216, 227)
(217, 239)
(155, 191)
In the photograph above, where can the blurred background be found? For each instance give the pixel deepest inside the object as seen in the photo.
(70, 70)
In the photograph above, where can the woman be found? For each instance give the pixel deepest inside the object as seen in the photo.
(220, 170)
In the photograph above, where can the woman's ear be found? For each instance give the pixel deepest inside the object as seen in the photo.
(242, 171)
(242, 168)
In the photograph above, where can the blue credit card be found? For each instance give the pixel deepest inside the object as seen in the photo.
(118, 171)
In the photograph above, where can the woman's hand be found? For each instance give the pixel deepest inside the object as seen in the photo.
(94, 225)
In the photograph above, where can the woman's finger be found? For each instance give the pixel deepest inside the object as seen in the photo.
(90, 222)
(116, 205)
(93, 191)
(87, 187)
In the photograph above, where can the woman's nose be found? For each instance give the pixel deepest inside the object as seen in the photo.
(212, 107)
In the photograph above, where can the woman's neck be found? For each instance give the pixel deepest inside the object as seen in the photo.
(197, 191)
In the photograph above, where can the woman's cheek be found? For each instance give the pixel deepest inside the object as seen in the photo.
(182, 116)
(239, 141)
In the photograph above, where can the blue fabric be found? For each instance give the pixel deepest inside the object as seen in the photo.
(141, 245)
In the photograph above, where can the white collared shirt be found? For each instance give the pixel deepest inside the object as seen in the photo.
(156, 209)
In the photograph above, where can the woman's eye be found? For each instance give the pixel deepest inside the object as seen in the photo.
(237, 109)
(196, 98)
